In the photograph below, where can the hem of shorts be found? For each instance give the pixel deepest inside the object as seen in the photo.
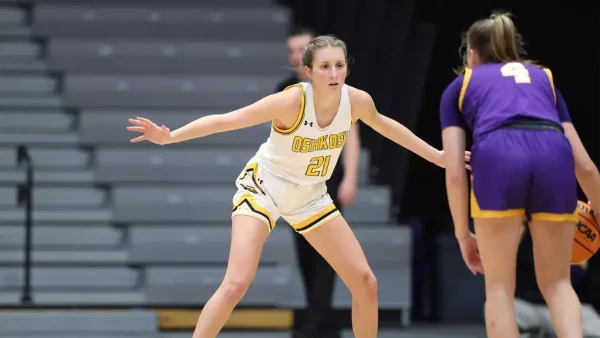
(320, 224)
(255, 216)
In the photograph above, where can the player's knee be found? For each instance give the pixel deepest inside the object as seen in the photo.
(235, 289)
(366, 286)
(547, 283)
(502, 287)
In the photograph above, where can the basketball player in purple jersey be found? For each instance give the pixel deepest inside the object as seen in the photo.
(525, 158)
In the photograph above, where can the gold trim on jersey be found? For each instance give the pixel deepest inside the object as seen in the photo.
(463, 88)
(300, 118)
(317, 219)
(551, 78)
(248, 203)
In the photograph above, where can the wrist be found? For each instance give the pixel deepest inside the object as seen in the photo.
(462, 233)
(350, 176)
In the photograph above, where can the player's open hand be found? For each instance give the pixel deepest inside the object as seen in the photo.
(151, 132)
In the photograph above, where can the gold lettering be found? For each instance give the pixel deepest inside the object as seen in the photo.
(323, 143)
(314, 144)
(305, 146)
(296, 144)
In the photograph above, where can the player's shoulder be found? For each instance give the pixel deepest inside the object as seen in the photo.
(290, 96)
(359, 97)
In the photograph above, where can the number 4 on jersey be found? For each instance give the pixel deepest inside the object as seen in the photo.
(517, 71)
(318, 166)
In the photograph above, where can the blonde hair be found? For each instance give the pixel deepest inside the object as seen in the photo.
(320, 42)
(495, 39)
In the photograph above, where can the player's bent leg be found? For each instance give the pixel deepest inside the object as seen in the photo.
(247, 240)
(552, 246)
(336, 242)
(498, 242)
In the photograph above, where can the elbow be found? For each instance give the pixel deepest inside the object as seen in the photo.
(456, 177)
(585, 169)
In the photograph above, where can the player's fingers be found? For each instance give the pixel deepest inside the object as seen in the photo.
(136, 128)
(137, 122)
(146, 121)
(138, 139)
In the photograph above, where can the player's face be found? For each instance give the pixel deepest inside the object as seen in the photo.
(329, 68)
(295, 47)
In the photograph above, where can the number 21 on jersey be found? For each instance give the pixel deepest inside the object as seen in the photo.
(318, 166)
(517, 71)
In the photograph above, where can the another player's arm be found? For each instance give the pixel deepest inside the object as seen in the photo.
(585, 169)
(454, 141)
(352, 154)
(363, 108)
(270, 108)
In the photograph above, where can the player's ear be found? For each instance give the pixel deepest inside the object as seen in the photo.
(308, 72)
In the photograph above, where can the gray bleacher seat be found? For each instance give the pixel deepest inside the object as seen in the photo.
(18, 176)
(153, 91)
(67, 216)
(110, 128)
(191, 204)
(97, 21)
(36, 121)
(107, 323)
(272, 286)
(72, 197)
(78, 298)
(62, 237)
(65, 278)
(8, 197)
(12, 16)
(60, 258)
(163, 165)
(14, 138)
(206, 244)
(206, 58)
(47, 158)
(27, 84)
(19, 49)
(29, 102)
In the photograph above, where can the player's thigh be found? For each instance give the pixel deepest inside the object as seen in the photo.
(253, 217)
(500, 175)
(336, 242)
(498, 242)
(553, 190)
(552, 249)
(248, 235)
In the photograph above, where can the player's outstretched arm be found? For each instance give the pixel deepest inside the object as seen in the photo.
(363, 108)
(264, 110)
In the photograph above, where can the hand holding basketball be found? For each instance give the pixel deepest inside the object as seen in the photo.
(470, 253)
(152, 132)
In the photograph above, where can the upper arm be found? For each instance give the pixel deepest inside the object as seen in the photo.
(450, 116)
(267, 109)
(561, 106)
(363, 108)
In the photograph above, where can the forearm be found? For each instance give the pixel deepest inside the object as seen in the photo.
(201, 127)
(589, 180)
(457, 190)
(407, 139)
(352, 155)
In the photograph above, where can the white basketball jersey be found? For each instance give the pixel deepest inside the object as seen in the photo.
(306, 154)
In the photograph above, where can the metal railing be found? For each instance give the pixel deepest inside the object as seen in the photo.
(25, 198)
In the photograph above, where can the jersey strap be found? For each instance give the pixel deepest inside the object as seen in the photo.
(300, 118)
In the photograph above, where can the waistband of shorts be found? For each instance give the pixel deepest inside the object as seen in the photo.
(534, 125)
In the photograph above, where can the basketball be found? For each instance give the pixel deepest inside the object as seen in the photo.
(587, 234)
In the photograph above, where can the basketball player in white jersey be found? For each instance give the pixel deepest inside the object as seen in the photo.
(286, 178)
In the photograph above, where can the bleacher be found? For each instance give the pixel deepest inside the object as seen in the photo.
(143, 230)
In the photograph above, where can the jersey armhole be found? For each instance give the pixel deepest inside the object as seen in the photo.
(463, 88)
(551, 79)
(300, 117)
